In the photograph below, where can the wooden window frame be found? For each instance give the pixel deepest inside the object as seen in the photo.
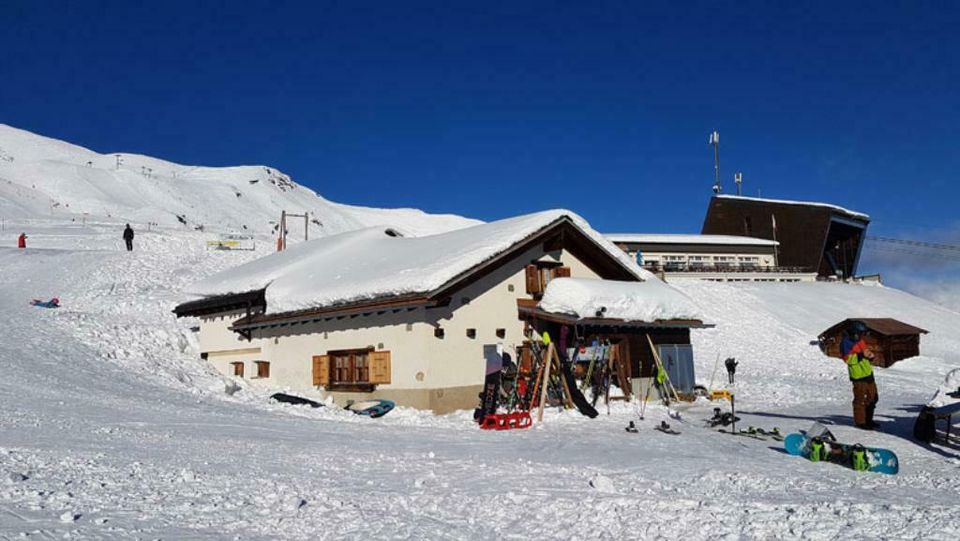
(538, 275)
(263, 369)
(352, 370)
(237, 368)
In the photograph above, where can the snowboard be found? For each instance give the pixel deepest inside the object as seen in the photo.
(878, 460)
(490, 395)
(576, 396)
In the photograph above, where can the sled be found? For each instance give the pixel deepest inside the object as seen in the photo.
(371, 408)
(506, 421)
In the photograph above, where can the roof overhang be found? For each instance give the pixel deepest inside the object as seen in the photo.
(223, 303)
(343, 311)
(569, 319)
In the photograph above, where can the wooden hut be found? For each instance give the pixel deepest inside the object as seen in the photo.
(890, 340)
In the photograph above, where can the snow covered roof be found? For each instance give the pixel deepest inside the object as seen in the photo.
(804, 203)
(671, 238)
(649, 301)
(369, 264)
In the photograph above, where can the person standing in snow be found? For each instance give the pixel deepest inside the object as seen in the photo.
(731, 364)
(128, 237)
(855, 353)
(22, 240)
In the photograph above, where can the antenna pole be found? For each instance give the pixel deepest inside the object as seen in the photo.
(738, 178)
(715, 141)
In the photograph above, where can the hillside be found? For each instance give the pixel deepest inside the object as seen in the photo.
(43, 178)
(111, 427)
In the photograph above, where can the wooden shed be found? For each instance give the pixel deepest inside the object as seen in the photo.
(890, 340)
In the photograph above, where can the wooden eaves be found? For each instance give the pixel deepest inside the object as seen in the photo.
(534, 312)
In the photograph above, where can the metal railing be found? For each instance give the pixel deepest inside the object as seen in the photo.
(687, 267)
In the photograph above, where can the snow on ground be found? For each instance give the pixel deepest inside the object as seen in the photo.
(111, 427)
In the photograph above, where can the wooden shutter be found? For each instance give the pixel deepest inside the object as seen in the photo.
(238, 369)
(561, 272)
(263, 369)
(533, 280)
(380, 367)
(321, 370)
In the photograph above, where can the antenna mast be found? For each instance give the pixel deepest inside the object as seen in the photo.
(715, 141)
(738, 178)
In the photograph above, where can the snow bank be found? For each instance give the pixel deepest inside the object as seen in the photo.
(650, 301)
(370, 264)
(947, 392)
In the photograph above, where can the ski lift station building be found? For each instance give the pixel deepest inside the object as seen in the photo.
(376, 314)
(720, 258)
(817, 238)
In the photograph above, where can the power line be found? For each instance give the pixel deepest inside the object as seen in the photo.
(942, 255)
(917, 243)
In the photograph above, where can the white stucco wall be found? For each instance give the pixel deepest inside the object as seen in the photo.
(419, 360)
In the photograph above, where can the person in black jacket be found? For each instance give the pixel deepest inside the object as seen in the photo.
(128, 237)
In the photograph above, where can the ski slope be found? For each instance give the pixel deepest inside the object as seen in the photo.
(112, 428)
(43, 178)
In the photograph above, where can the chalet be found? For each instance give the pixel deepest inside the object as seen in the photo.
(721, 258)
(814, 237)
(376, 314)
(889, 339)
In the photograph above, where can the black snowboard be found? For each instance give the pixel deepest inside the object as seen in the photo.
(578, 399)
(297, 400)
(490, 395)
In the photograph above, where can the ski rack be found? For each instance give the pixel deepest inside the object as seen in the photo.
(507, 421)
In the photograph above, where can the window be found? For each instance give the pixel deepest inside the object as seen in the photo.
(438, 332)
(263, 369)
(238, 369)
(501, 333)
(350, 366)
(471, 333)
(539, 275)
(352, 370)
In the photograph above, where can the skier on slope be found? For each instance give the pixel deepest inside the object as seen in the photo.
(128, 237)
(731, 364)
(854, 352)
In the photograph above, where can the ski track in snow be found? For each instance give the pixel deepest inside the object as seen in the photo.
(111, 427)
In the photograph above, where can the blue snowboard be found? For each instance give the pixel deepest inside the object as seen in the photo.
(881, 460)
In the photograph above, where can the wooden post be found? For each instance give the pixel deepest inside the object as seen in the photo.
(546, 381)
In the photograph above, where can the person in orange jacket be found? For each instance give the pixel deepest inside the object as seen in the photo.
(857, 355)
(22, 240)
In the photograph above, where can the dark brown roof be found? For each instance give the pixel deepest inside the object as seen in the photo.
(880, 325)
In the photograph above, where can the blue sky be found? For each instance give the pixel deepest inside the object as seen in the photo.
(491, 109)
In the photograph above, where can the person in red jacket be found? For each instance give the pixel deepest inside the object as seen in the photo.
(22, 240)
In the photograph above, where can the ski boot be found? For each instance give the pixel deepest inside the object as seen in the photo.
(632, 428)
(858, 458)
(818, 451)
